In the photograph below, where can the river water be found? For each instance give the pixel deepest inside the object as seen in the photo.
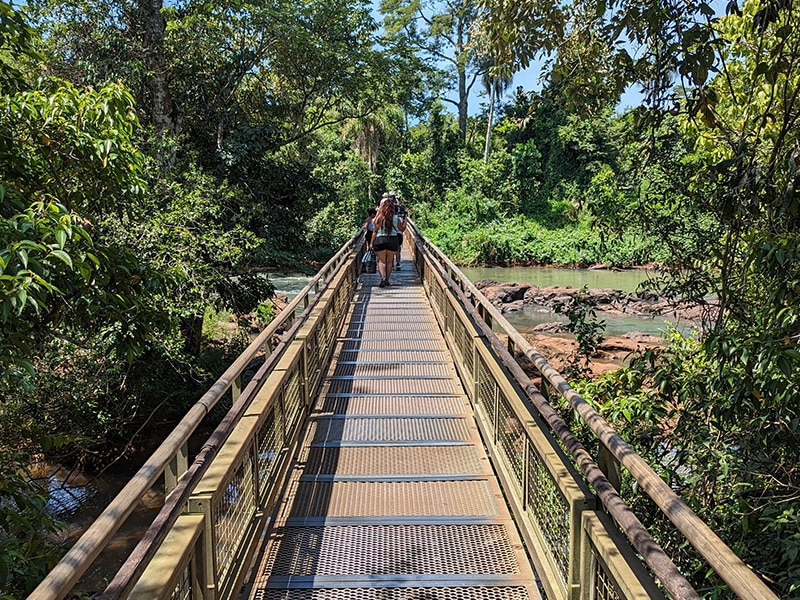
(288, 283)
(615, 324)
(627, 281)
(77, 499)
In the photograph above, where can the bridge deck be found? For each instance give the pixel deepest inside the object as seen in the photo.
(391, 495)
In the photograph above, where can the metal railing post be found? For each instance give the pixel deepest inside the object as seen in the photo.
(208, 562)
(305, 373)
(177, 467)
(609, 465)
(236, 389)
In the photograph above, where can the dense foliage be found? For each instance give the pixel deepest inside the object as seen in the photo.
(135, 200)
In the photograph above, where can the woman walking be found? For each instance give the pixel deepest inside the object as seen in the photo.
(387, 227)
(369, 224)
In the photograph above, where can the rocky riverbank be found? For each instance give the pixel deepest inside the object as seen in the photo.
(554, 342)
(509, 297)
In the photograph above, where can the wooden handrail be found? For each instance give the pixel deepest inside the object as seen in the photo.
(60, 580)
(733, 571)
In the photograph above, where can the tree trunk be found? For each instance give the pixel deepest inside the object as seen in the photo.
(492, 88)
(462, 83)
(462, 104)
(153, 32)
(192, 331)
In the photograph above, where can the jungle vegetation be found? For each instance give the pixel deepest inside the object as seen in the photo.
(156, 160)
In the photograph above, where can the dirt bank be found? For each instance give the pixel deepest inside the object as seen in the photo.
(612, 353)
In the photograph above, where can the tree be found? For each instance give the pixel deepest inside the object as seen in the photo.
(67, 156)
(372, 131)
(286, 63)
(442, 31)
(67, 160)
(153, 29)
(495, 86)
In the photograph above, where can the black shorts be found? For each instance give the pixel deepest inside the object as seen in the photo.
(368, 235)
(386, 242)
(399, 240)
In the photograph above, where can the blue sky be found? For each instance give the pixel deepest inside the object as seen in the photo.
(529, 80)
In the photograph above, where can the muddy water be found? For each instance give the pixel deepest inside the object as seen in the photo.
(627, 281)
(529, 317)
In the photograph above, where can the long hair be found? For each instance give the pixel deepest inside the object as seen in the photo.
(384, 220)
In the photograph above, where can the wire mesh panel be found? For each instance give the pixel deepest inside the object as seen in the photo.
(612, 569)
(549, 511)
(437, 295)
(468, 497)
(328, 327)
(293, 396)
(233, 510)
(392, 460)
(603, 587)
(511, 439)
(415, 387)
(270, 441)
(362, 345)
(463, 343)
(487, 390)
(504, 592)
(419, 313)
(314, 357)
(393, 549)
(449, 314)
(392, 369)
(391, 405)
(183, 590)
(343, 295)
(394, 322)
(395, 429)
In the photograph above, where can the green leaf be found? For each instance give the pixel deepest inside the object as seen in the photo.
(707, 10)
(63, 256)
(61, 238)
(601, 8)
(785, 365)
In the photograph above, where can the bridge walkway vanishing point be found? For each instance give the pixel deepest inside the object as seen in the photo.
(391, 488)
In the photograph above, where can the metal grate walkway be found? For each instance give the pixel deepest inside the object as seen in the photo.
(391, 496)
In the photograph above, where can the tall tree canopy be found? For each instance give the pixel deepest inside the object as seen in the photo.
(442, 31)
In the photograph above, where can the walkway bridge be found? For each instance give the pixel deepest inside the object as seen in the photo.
(391, 447)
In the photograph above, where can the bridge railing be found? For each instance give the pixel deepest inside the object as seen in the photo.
(584, 545)
(549, 497)
(207, 540)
